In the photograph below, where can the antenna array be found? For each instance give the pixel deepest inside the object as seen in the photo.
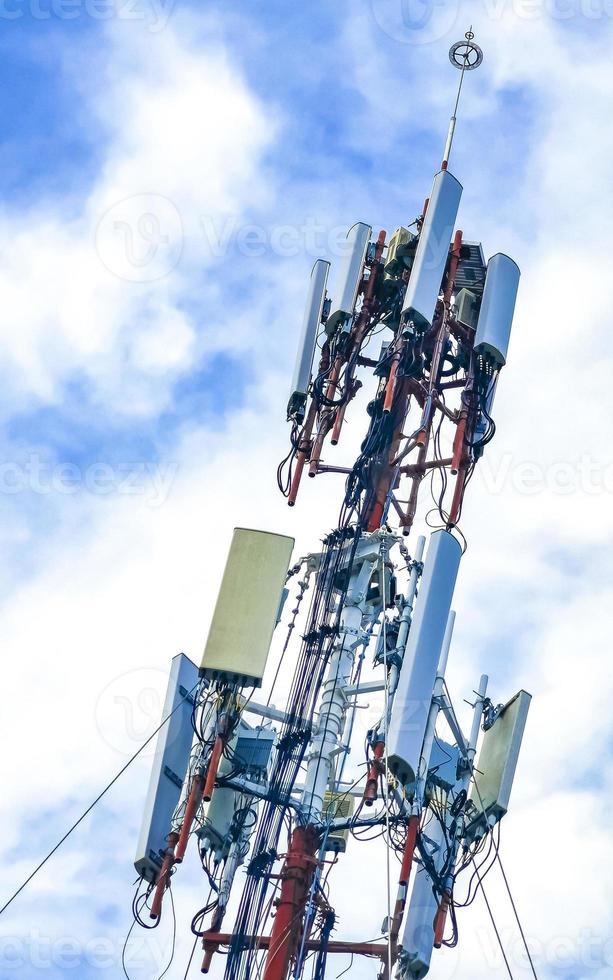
(236, 776)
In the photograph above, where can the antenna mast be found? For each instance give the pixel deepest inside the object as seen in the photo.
(466, 56)
(266, 788)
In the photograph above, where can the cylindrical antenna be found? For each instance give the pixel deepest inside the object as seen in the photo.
(465, 55)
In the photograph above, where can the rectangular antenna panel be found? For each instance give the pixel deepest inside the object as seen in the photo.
(443, 765)
(432, 250)
(400, 252)
(310, 328)
(172, 750)
(497, 308)
(253, 750)
(247, 605)
(421, 657)
(497, 760)
(350, 276)
(471, 271)
(337, 806)
(467, 308)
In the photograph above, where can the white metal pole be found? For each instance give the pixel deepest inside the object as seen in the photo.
(477, 715)
(435, 707)
(331, 715)
(405, 618)
(332, 711)
(465, 781)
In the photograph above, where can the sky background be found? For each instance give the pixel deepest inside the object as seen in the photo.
(168, 174)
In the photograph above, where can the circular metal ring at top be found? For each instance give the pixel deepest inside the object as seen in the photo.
(465, 55)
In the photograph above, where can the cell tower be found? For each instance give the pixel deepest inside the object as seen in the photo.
(263, 789)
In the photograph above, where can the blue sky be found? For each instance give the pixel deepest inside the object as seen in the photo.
(142, 402)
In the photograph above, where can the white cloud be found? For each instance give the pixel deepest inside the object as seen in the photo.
(124, 586)
(103, 293)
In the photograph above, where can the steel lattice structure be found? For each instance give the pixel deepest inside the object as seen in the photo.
(270, 796)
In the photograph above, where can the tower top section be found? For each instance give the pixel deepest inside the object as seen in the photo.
(465, 56)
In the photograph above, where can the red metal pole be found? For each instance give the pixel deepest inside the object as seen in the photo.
(326, 417)
(464, 433)
(304, 450)
(458, 495)
(212, 940)
(458, 445)
(338, 424)
(390, 389)
(296, 879)
(164, 877)
(211, 948)
(370, 790)
(403, 886)
(409, 850)
(211, 773)
(400, 409)
(439, 920)
(193, 802)
(376, 516)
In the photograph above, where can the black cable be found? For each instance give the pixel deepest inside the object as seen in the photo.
(139, 902)
(473, 888)
(174, 935)
(191, 956)
(516, 916)
(491, 914)
(97, 800)
(123, 951)
(137, 919)
(284, 481)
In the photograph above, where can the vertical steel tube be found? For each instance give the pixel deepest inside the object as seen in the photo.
(403, 881)
(301, 458)
(405, 618)
(441, 915)
(296, 876)
(331, 716)
(435, 707)
(372, 782)
(193, 802)
(164, 877)
(211, 773)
